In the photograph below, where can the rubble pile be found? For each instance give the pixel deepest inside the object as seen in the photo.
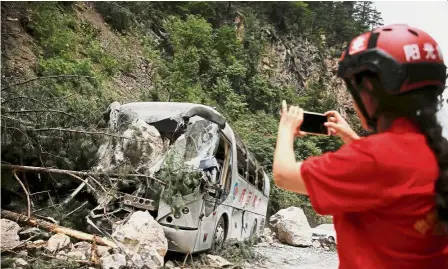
(140, 243)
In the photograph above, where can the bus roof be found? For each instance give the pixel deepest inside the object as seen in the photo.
(156, 111)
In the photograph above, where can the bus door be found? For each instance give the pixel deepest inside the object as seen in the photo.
(214, 198)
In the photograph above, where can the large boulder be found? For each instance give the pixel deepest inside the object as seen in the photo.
(9, 236)
(143, 240)
(292, 227)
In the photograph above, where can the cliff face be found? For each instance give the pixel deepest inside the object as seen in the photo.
(286, 61)
(299, 63)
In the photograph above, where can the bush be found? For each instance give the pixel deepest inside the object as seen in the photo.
(118, 16)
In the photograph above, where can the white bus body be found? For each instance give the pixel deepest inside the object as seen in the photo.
(236, 211)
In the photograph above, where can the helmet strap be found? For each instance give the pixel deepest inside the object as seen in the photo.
(371, 121)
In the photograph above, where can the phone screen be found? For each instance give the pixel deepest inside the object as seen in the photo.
(314, 123)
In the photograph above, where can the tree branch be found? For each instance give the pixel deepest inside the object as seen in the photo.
(26, 193)
(85, 132)
(45, 77)
(54, 228)
(71, 172)
(43, 111)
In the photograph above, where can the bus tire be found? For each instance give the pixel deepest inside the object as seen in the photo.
(219, 236)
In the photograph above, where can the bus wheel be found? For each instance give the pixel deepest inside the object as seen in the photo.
(220, 234)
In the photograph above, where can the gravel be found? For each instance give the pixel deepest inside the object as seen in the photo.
(280, 256)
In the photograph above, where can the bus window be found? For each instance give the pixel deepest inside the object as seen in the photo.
(260, 180)
(241, 159)
(252, 175)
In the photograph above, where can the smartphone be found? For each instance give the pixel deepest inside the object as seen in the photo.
(313, 123)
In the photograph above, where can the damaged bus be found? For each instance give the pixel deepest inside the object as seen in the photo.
(203, 185)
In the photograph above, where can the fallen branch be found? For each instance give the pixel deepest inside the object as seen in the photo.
(74, 210)
(46, 77)
(78, 173)
(85, 132)
(73, 194)
(55, 228)
(26, 193)
(25, 97)
(43, 111)
(78, 178)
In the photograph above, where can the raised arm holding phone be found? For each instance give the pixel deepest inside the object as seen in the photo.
(388, 192)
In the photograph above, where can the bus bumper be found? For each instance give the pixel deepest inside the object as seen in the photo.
(182, 241)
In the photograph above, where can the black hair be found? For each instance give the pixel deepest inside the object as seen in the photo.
(421, 107)
(426, 119)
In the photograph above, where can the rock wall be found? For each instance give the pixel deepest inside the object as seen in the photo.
(298, 63)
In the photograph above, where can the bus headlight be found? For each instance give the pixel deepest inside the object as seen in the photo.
(185, 210)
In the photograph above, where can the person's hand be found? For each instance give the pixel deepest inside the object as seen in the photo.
(339, 126)
(291, 120)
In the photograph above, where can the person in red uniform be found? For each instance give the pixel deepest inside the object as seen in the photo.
(387, 192)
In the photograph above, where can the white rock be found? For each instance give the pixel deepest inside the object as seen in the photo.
(9, 236)
(143, 239)
(269, 240)
(114, 261)
(76, 255)
(169, 264)
(267, 231)
(103, 251)
(20, 262)
(62, 255)
(83, 247)
(316, 244)
(292, 227)
(57, 242)
(217, 261)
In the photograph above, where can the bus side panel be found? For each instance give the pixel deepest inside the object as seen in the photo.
(235, 224)
(206, 231)
(208, 226)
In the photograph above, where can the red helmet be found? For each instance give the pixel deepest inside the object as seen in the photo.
(402, 57)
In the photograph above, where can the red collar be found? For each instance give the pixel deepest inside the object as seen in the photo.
(403, 125)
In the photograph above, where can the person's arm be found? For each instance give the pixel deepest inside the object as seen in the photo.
(286, 170)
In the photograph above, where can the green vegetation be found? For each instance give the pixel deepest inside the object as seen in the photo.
(197, 53)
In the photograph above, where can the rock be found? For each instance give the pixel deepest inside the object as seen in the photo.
(57, 242)
(216, 261)
(292, 227)
(9, 236)
(114, 261)
(38, 244)
(267, 231)
(83, 247)
(19, 263)
(169, 264)
(316, 244)
(76, 255)
(103, 251)
(143, 239)
(269, 240)
(34, 232)
(62, 255)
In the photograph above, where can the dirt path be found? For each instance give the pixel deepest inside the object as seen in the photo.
(280, 256)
